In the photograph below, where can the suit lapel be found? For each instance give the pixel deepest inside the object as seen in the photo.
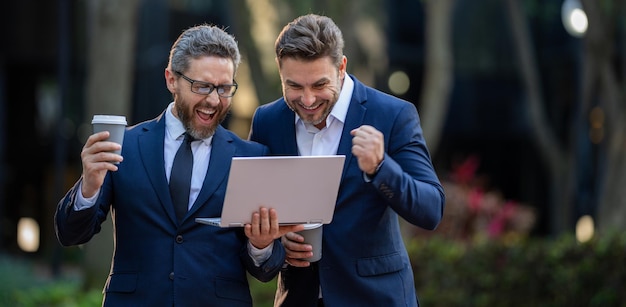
(151, 144)
(222, 151)
(354, 119)
(286, 127)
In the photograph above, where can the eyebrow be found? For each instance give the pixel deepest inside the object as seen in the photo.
(318, 82)
(202, 82)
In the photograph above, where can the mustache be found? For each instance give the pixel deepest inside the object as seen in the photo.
(316, 104)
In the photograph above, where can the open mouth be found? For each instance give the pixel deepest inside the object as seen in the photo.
(206, 114)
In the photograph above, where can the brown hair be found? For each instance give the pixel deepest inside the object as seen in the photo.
(310, 37)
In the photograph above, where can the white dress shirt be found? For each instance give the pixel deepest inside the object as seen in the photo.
(315, 142)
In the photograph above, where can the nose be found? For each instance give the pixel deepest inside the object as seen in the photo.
(308, 98)
(213, 98)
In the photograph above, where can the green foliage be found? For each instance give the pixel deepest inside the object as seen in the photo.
(262, 293)
(548, 272)
(62, 294)
(21, 286)
(529, 272)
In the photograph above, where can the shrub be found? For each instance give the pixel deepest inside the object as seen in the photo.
(537, 272)
(21, 286)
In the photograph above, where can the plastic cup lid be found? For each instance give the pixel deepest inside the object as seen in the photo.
(312, 226)
(109, 119)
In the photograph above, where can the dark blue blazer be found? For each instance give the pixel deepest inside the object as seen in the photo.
(364, 261)
(156, 262)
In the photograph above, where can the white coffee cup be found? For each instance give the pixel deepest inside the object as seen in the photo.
(115, 124)
(312, 234)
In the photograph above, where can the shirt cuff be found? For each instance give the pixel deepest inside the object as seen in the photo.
(82, 203)
(369, 178)
(259, 256)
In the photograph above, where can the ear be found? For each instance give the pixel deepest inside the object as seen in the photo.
(170, 80)
(343, 66)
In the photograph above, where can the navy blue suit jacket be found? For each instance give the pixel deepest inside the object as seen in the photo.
(156, 262)
(364, 260)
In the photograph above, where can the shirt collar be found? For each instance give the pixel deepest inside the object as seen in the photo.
(175, 127)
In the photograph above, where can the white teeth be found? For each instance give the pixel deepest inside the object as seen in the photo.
(208, 112)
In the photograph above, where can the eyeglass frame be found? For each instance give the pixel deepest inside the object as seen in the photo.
(209, 85)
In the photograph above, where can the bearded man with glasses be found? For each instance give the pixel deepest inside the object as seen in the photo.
(171, 170)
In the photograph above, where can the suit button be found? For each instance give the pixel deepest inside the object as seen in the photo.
(172, 276)
(179, 239)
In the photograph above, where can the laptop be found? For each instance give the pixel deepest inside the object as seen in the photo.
(302, 189)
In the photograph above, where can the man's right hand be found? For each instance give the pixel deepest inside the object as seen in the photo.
(296, 250)
(96, 158)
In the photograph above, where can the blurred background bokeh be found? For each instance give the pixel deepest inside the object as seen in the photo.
(522, 103)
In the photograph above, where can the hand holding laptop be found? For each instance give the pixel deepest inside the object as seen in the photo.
(279, 182)
(264, 228)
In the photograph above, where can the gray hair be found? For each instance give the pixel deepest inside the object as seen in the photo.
(203, 40)
(310, 37)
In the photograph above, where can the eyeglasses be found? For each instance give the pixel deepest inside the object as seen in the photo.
(205, 88)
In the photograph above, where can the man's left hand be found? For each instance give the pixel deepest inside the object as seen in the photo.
(264, 228)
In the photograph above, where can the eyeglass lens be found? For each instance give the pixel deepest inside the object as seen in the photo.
(204, 88)
(207, 88)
